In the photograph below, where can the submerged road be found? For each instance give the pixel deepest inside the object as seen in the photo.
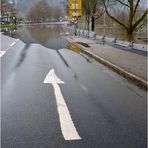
(62, 99)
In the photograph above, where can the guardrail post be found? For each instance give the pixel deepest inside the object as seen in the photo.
(87, 34)
(94, 37)
(131, 45)
(78, 32)
(115, 40)
(83, 32)
(103, 39)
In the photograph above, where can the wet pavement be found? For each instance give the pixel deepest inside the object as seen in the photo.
(107, 110)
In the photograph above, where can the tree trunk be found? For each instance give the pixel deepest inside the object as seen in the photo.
(92, 23)
(130, 30)
(88, 22)
(130, 38)
(88, 25)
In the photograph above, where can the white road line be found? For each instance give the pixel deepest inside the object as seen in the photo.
(67, 126)
(9, 47)
(12, 44)
(2, 53)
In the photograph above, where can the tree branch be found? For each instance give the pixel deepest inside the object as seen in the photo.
(123, 3)
(116, 20)
(136, 6)
(100, 15)
(141, 19)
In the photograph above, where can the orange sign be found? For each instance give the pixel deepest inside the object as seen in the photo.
(75, 8)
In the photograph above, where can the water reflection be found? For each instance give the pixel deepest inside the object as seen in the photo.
(43, 33)
(70, 46)
(10, 31)
(46, 35)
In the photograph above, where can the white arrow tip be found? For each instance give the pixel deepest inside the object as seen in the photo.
(53, 78)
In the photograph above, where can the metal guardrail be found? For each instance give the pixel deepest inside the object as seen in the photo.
(115, 41)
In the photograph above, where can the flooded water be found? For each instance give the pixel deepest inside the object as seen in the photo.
(120, 34)
(49, 36)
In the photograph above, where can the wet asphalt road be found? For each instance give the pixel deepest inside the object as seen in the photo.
(107, 111)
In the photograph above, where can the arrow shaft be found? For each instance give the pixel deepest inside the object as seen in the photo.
(67, 126)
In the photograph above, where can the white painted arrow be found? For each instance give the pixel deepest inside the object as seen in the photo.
(67, 126)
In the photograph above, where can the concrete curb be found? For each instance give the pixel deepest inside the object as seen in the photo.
(126, 74)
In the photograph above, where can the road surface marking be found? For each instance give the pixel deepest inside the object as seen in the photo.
(9, 47)
(67, 126)
(2, 53)
(12, 44)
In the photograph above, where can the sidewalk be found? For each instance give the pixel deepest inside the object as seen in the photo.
(131, 65)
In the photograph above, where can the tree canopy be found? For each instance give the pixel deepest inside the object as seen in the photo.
(42, 11)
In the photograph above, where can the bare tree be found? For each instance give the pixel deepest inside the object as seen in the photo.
(97, 10)
(93, 10)
(132, 7)
(86, 12)
(40, 11)
(57, 12)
